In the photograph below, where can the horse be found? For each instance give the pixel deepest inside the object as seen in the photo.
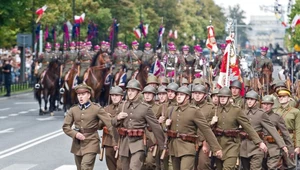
(142, 74)
(69, 96)
(266, 79)
(48, 82)
(96, 76)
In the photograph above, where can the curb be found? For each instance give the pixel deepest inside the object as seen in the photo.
(15, 95)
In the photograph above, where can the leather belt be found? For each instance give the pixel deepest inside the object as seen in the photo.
(227, 133)
(131, 132)
(184, 137)
(88, 130)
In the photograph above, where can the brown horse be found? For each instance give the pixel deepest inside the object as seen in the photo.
(69, 96)
(48, 88)
(96, 75)
(142, 74)
(265, 80)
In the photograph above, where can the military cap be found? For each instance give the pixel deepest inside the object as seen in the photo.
(252, 95)
(149, 89)
(184, 81)
(225, 92)
(283, 92)
(134, 84)
(116, 90)
(199, 88)
(268, 99)
(236, 83)
(172, 86)
(81, 88)
(161, 89)
(184, 89)
(152, 79)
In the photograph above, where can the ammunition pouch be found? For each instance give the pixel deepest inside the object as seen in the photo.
(228, 133)
(105, 130)
(244, 135)
(184, 137)
(131, 132)
(270, 139)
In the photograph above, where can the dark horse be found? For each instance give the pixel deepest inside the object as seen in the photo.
(48, 88)
(69, 96)
(95, 77)
(142, 74)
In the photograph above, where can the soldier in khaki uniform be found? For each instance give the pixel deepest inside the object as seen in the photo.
(281, 85)
(291, 117)
(85, 58)
(148, 55)
(251, 155)
(199, 101)
(118, 58)
(152, 81)
(226, 127)
(85, 117)
(116, 95)
(236, 87)
(164, 81)
(133, 60)
(214, 97)
(132, 120)
(274, 152)
(183, 122)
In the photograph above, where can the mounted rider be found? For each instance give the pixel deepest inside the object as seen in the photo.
(200, 62)
(118, 58)
(133, 60)
(148, 55)
(187, 62)
(171, 62)
(85, 58)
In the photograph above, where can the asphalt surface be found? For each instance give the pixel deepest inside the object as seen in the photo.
(29, 141)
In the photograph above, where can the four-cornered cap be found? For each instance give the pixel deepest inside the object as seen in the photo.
(135, 43)
(89, 44)
(264, 48)
(116, 91)
(124, 46)
(199, 88)
(134, 84)
(57, 45)
(147, 45)
(198, 49)
(172, 86)
(162, 89)
(184, 89)
(65, 45)
(268, 99)
(225, 92)
(48, 46)
(119, 44)
(103, 43)
(96, 47)
(149, 89)
(185, 48)
(184, 81)
(252, 95)
(107, 44)
(72, 44)
(237, 84)
(164, 80)
(196, 46)
(171, 44)
(172, 48)
(283, 92)
(223, 46)
(81, 88)
(152, 79)
(215, 92)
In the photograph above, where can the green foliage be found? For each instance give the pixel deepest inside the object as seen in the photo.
(189, 17)
(295, 34)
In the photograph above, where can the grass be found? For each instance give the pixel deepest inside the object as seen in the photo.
(16, 89)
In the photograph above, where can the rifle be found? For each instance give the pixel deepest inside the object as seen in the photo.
(166, 140)
(175, 74)
(119, 141)
(102, 147)
(145, 143)
(190, 74)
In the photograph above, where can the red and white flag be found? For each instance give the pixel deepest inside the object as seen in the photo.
(170, 33)
(175, 34)
(79, 19)
(137, 33)
(296, 21)
(40, 12)
(211, 40)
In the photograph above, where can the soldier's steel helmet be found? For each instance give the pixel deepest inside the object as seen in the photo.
(164, 80)
(172, 86)
(268, 99)
(152, 79)
(280, 84)
(134, 84)
(199, 88)
(184, 89)
(162, 89)
(237, 84)
(215, 92)
(149, 89)
(184, 81)
(225, 92)
(197, 81)
(252, 95)
(247, 83)
(116, 90)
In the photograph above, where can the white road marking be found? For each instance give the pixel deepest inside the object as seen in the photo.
(9, 130)
(47, 118)
(3, 109)
(20, 167)
(23, 112)
(32, 110)
(3, 117)
(29, 144)
(67, 167)
(13, 114)
(26, 103)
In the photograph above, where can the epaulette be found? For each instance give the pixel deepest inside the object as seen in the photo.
(235, 105)
(148, 105)
(193, 106)
(97, 104)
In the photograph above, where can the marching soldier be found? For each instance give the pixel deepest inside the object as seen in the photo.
(226, 127)
(214, 97)
(85, 59)
(281, 85)
(171, 63)
(290, 115)
(236, 87)
(199, 101)
(183, 122)
(85, 117)
(148, 54)
(162, 95)
(164, 81)
(184, 82)
(152, 80)
(274, 152)
(132, 120)
(133, 60)
(251, 155)
(70, 59)
(45, 58)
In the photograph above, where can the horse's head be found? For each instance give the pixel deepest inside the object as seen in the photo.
(101, 60)
(145, 67)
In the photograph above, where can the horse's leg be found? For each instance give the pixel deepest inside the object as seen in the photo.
(39, 98)
(45, 97)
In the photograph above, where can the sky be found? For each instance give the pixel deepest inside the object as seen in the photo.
(252, 7)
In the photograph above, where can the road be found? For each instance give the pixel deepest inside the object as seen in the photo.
(30, 141)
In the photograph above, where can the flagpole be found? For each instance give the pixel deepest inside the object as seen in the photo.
(228, 55)
(210, 53)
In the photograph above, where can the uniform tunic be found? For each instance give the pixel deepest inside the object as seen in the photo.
(69, 59)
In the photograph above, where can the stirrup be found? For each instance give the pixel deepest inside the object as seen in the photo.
(37, 86)
(61, 90)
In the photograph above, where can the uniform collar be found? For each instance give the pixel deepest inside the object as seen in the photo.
(253, 109)
(135, 102)
(201, 103)
(270, 112)
(183, 107)
(151, 102)
(84, 106)
(226, 107)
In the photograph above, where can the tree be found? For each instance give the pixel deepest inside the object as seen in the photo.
(294, 34)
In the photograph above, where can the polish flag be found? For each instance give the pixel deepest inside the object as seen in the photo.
(137, 33)
(40, 12)
(296, 21)
(211, 40)
(170, 33)
(175, 34)
(79, 19)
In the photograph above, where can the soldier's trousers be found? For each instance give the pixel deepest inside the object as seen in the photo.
(85, 162)
(183, 163)
(271, 163)
(135, 161)
(252, 163)
(203, 161)
(111, 162)
(129, 74)
(227, 164)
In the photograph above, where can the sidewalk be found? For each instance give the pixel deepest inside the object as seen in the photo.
(17, 94)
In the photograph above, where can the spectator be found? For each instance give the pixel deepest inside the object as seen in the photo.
(7, 75)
